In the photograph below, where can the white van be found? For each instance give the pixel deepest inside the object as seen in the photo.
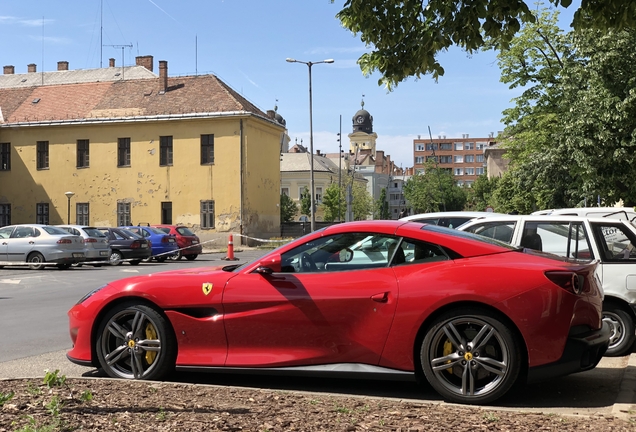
(622, 213)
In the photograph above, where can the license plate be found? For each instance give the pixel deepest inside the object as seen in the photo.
(195, 242)
(171, 240)
(78, 255)
(144, 246)
(103, 253)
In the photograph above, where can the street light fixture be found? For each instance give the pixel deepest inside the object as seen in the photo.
(69, 195)
(312, 210)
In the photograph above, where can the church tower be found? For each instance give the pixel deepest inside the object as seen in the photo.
(362, 139)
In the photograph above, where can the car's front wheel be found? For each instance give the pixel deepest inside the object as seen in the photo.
(469, 356)
(115, 258)
(191, 257)
(176, 257)
(135, 341)
(622, 331)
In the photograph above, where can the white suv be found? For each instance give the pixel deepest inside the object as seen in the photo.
(610, 241)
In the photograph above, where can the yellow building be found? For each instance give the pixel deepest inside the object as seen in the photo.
(137, 148)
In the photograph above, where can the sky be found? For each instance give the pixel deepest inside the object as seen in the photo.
(245, 44)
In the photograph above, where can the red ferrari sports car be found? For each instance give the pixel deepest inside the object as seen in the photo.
(470, 314)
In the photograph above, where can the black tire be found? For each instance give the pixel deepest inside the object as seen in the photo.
(176, 257)
(191, 257)
(622, 331)
(36, 261)
(63, 266)
(115, 258)
(469, 356)
(161, 258)
(134, 341)
(134, 262)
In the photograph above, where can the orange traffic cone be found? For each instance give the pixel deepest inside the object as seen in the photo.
(230, 249)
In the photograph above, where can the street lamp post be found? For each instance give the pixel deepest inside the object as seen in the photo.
(69, 195)
(312, 210)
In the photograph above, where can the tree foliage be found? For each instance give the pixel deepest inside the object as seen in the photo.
(381, 207)
(362, 204)
(406, 36)
(334, 203)
(480, 195)
(288, 208)
(305, 202)
(434, 190)
(572, 132)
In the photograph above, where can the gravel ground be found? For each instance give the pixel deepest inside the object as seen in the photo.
(116, 405)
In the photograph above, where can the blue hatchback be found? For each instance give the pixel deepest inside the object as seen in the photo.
(163, 245)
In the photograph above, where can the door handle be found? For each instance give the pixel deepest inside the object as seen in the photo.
(31, 242)
(381, 298)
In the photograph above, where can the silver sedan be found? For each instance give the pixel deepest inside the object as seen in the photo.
(39, 245)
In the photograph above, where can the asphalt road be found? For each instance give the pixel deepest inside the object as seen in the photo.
(34, 335)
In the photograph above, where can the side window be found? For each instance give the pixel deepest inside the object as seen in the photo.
(566, 239)
(616, 242)
(22, 232)
(416, 252)
(502, 231)
(340, 252)
(5, 232)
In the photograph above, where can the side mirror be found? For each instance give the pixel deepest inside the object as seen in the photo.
(270, 264)
(345, 255)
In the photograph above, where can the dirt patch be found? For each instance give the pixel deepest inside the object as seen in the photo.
(115, 405)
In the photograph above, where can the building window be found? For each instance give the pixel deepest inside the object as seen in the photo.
(123, 152)
(431, 159)
(82, 153)
(207, 214)
(5, 157)
(166, 213)
(5, 214)
(445, 146)
(480, 158)
(446, 159)
(207, 149)
(284, 191)
(479, 171)
(81, 214)
(419, 159)
(469, 158)
(470, 171)
(431, 146)
(123, 214)
(469, 146)
(459, 146)
(459, 159)
(469, 183)
(318, 194)
(165, 151)
(42, 213)
(481, 145)
(459, 171)
(419, 147)
(42, 154)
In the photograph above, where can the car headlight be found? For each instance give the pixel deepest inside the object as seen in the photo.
(87, 296)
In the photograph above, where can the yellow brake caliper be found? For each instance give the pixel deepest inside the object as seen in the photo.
(151, 333)
(448, 348)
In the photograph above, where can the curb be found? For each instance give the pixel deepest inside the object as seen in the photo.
(625, 405)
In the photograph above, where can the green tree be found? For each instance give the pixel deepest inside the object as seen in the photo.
(362, 205)
(305, 202)
(288, 208)
(480, 195)
(333, 202)
(406, 36)
(573, 129)
(434, 190)
(381, 207)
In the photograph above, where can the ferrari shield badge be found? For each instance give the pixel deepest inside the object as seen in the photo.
(207, 288)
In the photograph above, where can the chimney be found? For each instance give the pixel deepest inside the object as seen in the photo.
(9, 70)
(32, 68)
(111, 62)
(271, 114)
(62, 65)
(145, 61)
(318, 152)
(163, 75)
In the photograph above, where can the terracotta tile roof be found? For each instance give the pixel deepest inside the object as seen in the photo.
(74, 76)
(124, 98)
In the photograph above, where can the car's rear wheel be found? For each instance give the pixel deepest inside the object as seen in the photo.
(191, 257)
(134, 262)
(622, 331)
(135, 341)
(36, 261)
(115, 258)
(469, 356)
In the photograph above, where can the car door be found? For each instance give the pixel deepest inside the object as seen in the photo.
(313, 314)
(20, 244)
(5, 234)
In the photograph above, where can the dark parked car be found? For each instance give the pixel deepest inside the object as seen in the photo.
(189, 244)
(126, 245)
(163, 245)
